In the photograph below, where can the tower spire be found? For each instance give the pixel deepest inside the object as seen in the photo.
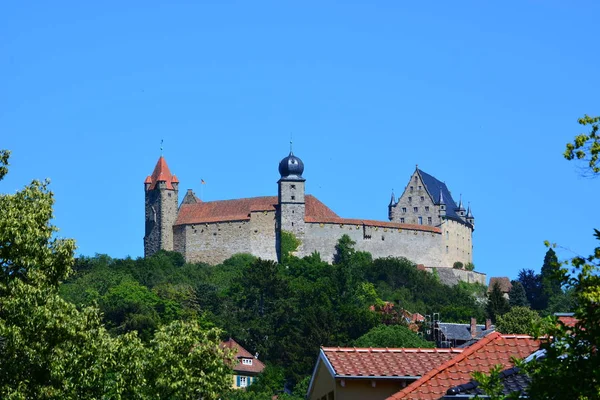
(393, 199)
(441, 199)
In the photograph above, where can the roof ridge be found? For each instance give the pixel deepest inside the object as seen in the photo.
(394, 349)
(468, 351)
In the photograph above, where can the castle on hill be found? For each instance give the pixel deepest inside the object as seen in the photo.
(425, 224)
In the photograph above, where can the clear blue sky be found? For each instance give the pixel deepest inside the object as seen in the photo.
(482, 95)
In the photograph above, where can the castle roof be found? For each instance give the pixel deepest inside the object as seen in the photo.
(438, 190)
(161, 173)
(240, 209)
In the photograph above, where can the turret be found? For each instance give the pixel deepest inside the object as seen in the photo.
(460, 210)
(470, 217)
(161, 196)
(392, 206)
(291, 191)
(442, 204)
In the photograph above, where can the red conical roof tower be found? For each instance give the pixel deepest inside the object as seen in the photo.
(161, 174)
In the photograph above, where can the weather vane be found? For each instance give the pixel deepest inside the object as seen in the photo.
(161, 146)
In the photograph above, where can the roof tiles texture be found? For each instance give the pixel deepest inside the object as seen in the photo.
(241, 353)
(482, 356)
(161, 173)
(369, 362)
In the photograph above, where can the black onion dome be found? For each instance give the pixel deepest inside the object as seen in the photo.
(291, 167)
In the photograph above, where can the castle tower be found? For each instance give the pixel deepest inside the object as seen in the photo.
(391, 207)
(161, 194)
(460, 210)
(442, 204)
(291, 204)
(470, 217)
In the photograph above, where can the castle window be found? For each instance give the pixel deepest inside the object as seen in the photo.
(420, 187)
(403, 209)
(169, 194)
(426, 208)
(429, 221)
(446, 249)
(416, 209)
(447, 235)
(422, 198)
(293, 197)
(409, 199)
(401, 220)
(382, 237)
(293, 186)
(411, 188)
(416, 179)
(420, 220)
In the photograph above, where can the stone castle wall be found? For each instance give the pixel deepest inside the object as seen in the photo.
(262, 235)
(161, 206)
(457, 243)
(451, 276)
(415, 203)
(420, 247)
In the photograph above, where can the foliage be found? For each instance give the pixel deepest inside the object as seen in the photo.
(518, 320)
(458, 265)
(4, 156)
(586, 146)
(392, 336)
(50, 349)
(289, 244)
(497, 304)
(491, 384)
(533, 287)
(550, 277)
(571, 367)
(517, 296)
(470, 266)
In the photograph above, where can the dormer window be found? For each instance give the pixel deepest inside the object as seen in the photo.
(247, 361)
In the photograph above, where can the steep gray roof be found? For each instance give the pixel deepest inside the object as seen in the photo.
(434, 186)
(454, 331)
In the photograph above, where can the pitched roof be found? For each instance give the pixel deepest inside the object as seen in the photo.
(240, 209)
(241, 353)
(161, 173)
(482, 356)
(568, 319)
(433, 187)
(512, 379)
(454, 331)
(383, 362)
(503, 281)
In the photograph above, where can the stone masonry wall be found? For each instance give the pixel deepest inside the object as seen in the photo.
(418, 246)
(415, 203)
(457, 243)
(262, 235)
(213, 243)
(451, 276)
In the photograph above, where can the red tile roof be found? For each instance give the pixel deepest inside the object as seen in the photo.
(161, 174)
(377, 362)
(567, 319)
(241, 353)
(482, 356)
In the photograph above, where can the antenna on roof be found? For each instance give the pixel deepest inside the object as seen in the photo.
(291, 152)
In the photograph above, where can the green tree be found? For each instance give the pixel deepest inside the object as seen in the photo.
(517, 296)
(518, 320)
(392, 336)
(497, 304)
(458, 265)
(51, 350)
(533, 288)
(586, 146)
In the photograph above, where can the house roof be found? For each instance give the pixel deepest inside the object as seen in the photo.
(512, 381)
(384, 362)
(453, 331)
(482, 356)
(241, 353)
(433, 187)
(503, 281)
(568, 319)
(161, 173)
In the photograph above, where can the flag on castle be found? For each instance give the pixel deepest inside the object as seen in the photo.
(202, 182)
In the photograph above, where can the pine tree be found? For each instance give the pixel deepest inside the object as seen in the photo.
(497, 303)
(517, 296)
(550, 278)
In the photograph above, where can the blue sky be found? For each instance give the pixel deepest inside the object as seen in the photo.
(482, 95)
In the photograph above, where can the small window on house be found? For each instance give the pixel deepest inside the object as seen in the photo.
(401, 220)
(247, 361)
(420, 220)
(426, 208)
(403, 209)
(243, 381)
(416, 209)
(429, 221)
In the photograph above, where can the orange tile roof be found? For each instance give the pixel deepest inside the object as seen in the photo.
(161, 173)
(240, 209)
(482, 356)
(384, 362)
(241, 353)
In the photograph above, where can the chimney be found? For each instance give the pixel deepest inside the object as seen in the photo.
(488, 324)
(473, 327)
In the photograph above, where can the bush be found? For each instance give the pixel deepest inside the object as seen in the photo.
(458, 265)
